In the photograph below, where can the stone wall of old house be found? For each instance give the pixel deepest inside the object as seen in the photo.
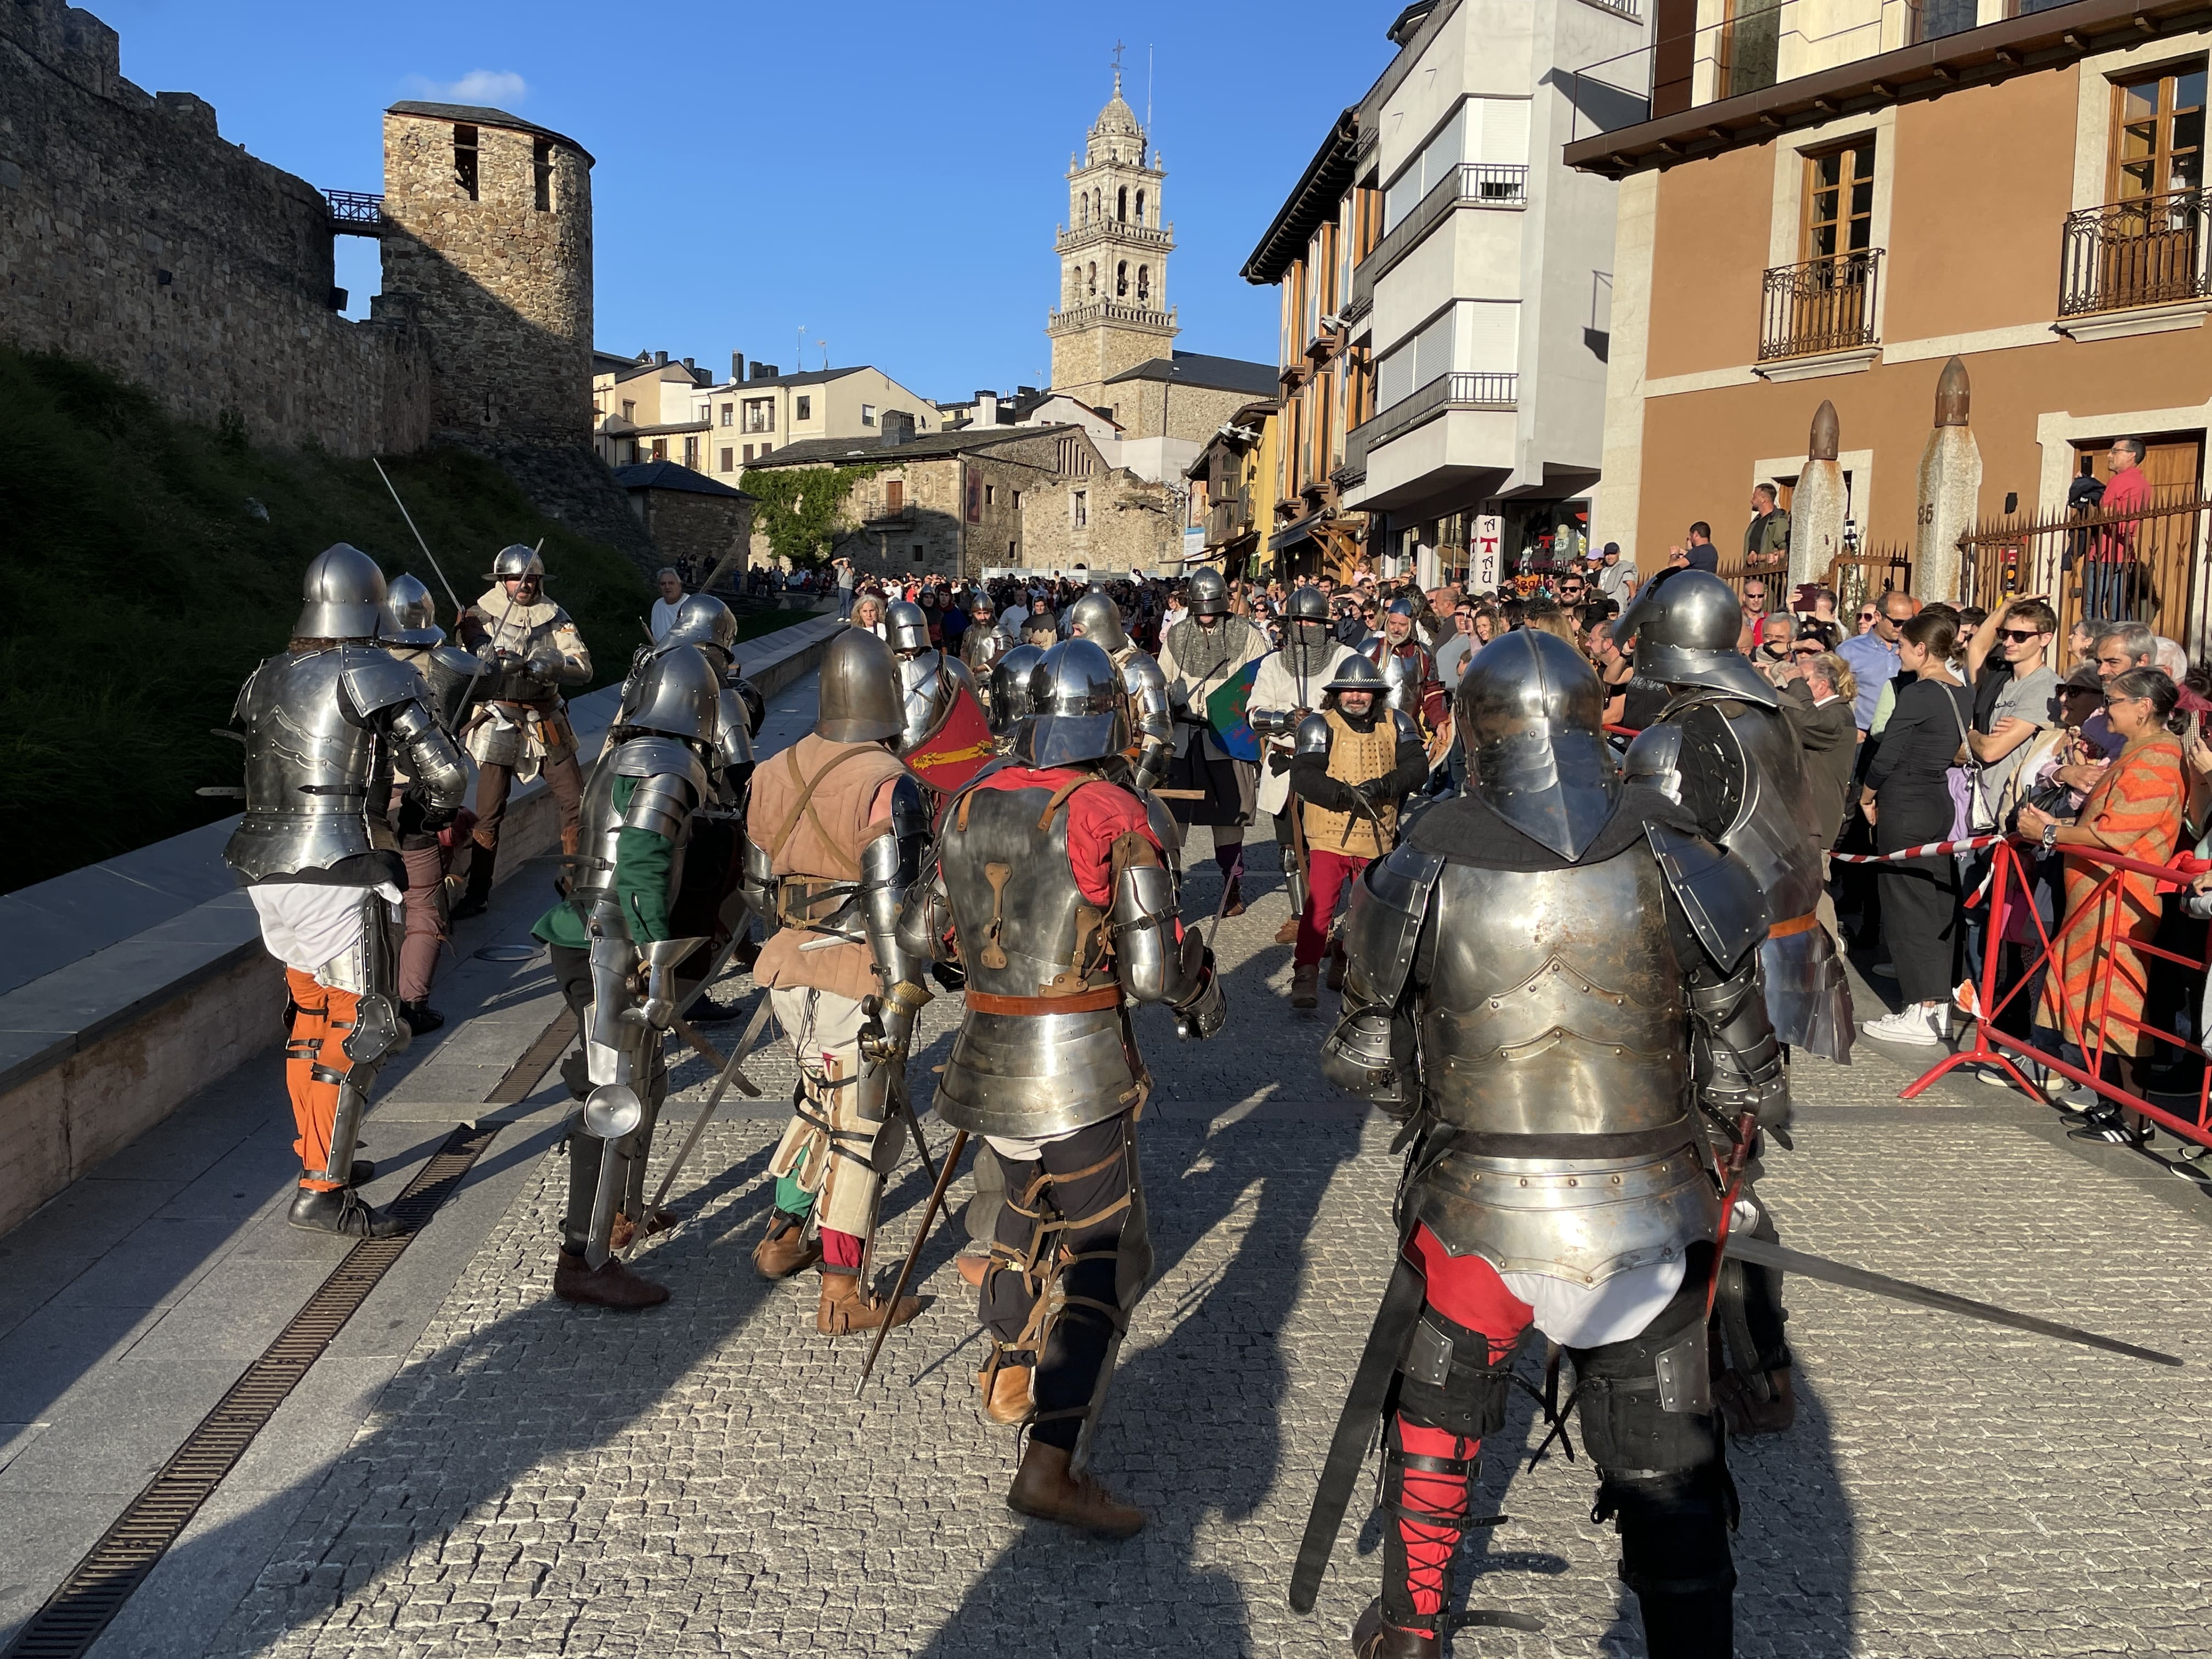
(133, 236)
(501, 287)
(686, 525)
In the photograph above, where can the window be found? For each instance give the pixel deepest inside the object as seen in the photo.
(764, 450)
(629, 408)
(1143, 285)
(728, 456)
(729, 414)
(1080, 502)
(1839, 201)
(894, 495)
(660, 449)
(919, 553)
(2158, 134)
(805, 411)
(541, 170)
(465, 161)
(1750, 47)
(760, 414)
(1937, 18)
(1121, 204)
(1141, 207)
(867, 414)
(691, 453)
(990, 494)
(748, 451)
(1082, 212)
(1017, 500)
(1122, 280)
(1093, 280)
(1011, 549)
(1490, 131)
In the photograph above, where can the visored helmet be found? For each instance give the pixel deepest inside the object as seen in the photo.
(861, 699)
(908, 627)
(343, 596)
(1010, 687)
(702, 619)
(1358, 674)
(1685, 624)
(411, 615)
(1098, 619)
(1209, 593)
(1532, 713)
(514, 561)
(1078, 708)
(678, 693)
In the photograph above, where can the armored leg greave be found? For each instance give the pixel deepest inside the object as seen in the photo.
(1294, 878)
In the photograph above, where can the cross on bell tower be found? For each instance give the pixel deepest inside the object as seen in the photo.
(1112, 311)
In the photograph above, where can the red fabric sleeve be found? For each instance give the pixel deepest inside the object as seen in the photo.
(1094, 818)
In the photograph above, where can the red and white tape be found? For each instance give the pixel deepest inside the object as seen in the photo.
(1925, 850)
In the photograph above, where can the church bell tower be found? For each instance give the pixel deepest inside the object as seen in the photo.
(1114, 312)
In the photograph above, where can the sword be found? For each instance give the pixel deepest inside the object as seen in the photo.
(1402, 1299)
(730, 1075)
(920, 1237)
(468, 693)
(1766, 1253)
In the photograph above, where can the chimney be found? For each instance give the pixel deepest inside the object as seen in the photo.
(688, 363)
(898, 427)
(986, 407)
(660, 356)
(737, 366)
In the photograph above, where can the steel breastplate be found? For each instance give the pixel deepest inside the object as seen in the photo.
(310, 771)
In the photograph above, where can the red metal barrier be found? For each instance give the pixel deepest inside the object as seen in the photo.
(2008, 888)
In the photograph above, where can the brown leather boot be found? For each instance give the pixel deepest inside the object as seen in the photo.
(1288, 932)
(1044, 1490)
(787, 1249)
(1233, 901)
(625, 1229)
(1006, 1399)
(846, 1307)
(1376, 1638)
(612, 1286)
(972, 1267)
(1305, 985)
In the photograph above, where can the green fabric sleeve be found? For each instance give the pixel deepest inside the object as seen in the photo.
(642, 859)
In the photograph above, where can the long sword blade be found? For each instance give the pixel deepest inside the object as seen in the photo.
(1766, 1253)
(920, 1237)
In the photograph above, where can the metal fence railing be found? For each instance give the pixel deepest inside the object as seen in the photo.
(1446, 392)
(1821, 305)
(2142, 565)
(2147, 251)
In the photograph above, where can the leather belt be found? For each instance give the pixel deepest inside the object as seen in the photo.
(1083, 1002)
(1804, 924)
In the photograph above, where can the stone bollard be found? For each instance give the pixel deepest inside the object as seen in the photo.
(1950, 491)
(1818, 507)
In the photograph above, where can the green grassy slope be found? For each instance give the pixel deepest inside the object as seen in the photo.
(138, 590)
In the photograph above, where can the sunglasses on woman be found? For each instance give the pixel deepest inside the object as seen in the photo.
(1814, 650)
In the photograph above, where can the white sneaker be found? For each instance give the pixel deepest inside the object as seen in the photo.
(1909, 1024)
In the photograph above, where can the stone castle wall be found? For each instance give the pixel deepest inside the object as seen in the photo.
(133, 236)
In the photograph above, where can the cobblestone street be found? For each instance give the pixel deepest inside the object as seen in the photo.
(535, 1479)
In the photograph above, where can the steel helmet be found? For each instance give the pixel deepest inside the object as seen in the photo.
(908, 627)
(678, 693)
(411, 615)
(1099, 620)
(702, 619)
(514, 561)
(860, 700)
(1010, 687)
(1306, 604)
(1685, 624)
(1078, 708)
(343, 595)
(1532, 714)
(1357, 673)
(1209, 593)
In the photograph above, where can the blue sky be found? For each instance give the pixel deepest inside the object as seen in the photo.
(889, 176)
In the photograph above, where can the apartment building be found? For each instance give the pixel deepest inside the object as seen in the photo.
(1828, 202)
(760, 409)
(644, 409)
(1447, 299)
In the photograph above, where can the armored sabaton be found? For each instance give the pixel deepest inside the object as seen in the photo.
(1549, 1023)
(633, 992)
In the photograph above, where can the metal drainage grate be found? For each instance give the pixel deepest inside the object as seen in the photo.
(95, 1592)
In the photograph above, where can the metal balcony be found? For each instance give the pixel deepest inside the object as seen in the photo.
(2147, 251)
(355, 212)
(1822, 304)
(1470, 184)
(1440, 396)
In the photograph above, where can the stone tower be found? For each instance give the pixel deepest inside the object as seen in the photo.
(1113, 251)
(487, 249)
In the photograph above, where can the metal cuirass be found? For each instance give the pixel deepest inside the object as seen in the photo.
(928, 681)
(1026, 931)
(1744, 774)
(663, 768)
(1555, 1054)
(1405, 673)
(312, 762)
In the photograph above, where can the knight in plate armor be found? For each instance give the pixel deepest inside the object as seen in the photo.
(1095, 618)
(1290, 686)
(325, 723)
(983, 644)
(1416, 689)
(834, 837)
(1053, 893)
(1548, 979)
(928, 679)
(1011, 703)
(532, 652)
(1199, 655)
(614, 956)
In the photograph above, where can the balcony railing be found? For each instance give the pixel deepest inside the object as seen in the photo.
(1117, 230)
(2148, 252)
(1111, 311)
(1822, 304)
(355, 212)
(1445, 393)
(1471, 183)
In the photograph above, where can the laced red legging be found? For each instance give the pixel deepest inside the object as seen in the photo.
(1467, 1290)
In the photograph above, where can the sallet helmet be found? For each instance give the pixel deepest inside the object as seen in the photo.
(860, 700)
(411, 615)
(1010, 687)
(514, 561)
(343, 595)
(678, 694)
(1209, 593)
(1099, 620)
(1357, 673)
(702, 619)
(1685, 624)
(908, 627)
(1532, 714)
(1078, 702)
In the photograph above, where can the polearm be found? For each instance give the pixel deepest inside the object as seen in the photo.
(920, 1237)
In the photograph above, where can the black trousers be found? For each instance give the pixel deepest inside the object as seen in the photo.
(572, 970)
